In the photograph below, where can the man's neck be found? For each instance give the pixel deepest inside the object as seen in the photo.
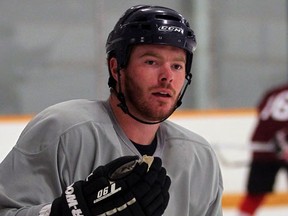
(134, 130)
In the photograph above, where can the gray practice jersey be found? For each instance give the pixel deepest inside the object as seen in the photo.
(67, 141)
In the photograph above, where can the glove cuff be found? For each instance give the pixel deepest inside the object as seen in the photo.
(71, 202)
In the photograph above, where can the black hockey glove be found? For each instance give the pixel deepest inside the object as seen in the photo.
(126, 186)
(281, 144)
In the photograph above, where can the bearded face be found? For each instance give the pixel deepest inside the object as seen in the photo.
(153, 80)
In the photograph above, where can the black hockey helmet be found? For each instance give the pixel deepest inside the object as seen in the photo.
(145, 24)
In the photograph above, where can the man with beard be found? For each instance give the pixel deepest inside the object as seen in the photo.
(140, 163)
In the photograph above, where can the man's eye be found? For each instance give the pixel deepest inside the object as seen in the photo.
(150, 62)
(177, 67)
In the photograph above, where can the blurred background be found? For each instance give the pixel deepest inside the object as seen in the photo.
(54, 50)
(51, 51)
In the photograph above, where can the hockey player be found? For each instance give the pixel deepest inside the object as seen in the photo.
(149, 56)
(271, 129)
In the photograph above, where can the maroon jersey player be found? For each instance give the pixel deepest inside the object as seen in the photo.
(271, 129)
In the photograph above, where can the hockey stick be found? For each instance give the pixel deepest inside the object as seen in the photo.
(270, 147)
(255, 147)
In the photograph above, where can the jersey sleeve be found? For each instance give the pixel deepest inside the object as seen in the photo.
(272, 115)
(55, 149)
(26, 180)
(35, 171)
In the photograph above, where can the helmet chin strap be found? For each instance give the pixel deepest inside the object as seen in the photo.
(125, 109)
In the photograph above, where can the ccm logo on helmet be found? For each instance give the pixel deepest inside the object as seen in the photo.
(171, 29)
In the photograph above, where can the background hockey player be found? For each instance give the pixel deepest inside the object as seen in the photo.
(271, 129)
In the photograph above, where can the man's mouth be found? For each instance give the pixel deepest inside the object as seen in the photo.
(162, 94)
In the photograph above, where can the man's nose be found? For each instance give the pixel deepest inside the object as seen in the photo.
(166, 73)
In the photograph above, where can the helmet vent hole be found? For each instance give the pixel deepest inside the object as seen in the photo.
(141, 26)
(167, 17)
(189, 33)
(146, 27)
(141, 19)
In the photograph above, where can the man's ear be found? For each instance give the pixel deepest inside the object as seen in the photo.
(113, 67)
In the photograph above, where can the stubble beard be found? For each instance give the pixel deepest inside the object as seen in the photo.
(136, 100)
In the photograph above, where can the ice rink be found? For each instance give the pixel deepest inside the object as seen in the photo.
(264, 211)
